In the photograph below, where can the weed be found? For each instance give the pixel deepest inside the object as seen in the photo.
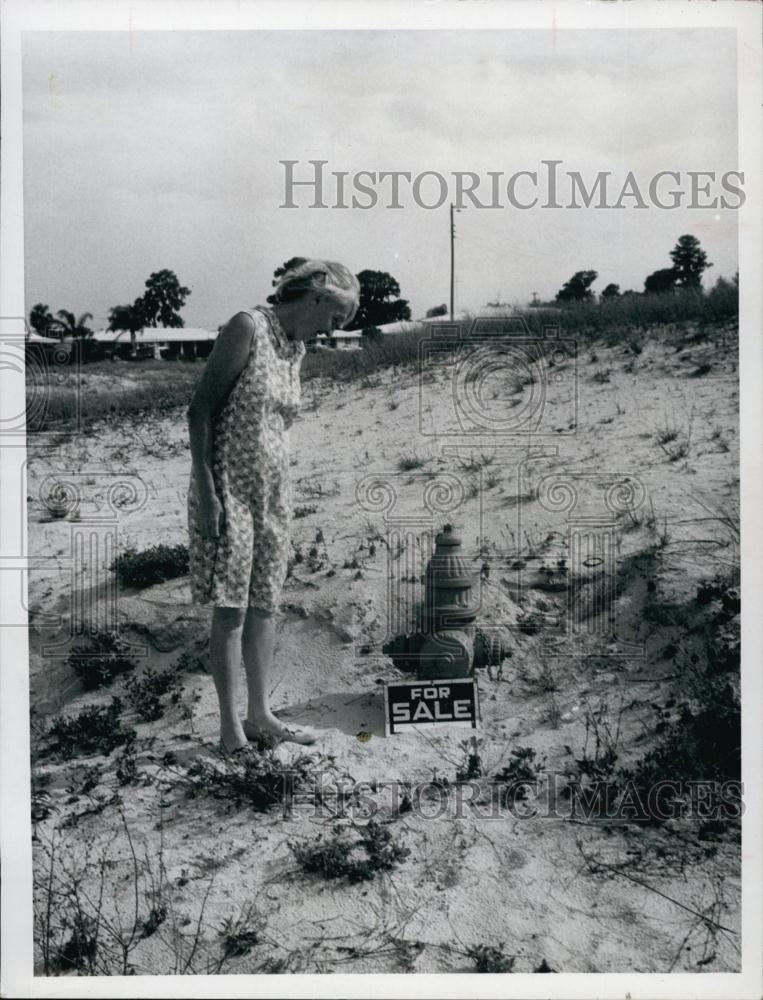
(473, 764)
(635, 519)
(601, 376)
(492, 480)
(342, 858)
(90, 778)
(672, 433)
(523, 769)
(41, 804)
(487, 958)
(259, 780)
(83, 928)
(696, 743)
(156, 917)
(101, 660)
(476, 462)
(80, 949)
(127, 763)
(304, 510)
(97, 729)
(593, 776)
(552, 714)
(666, 434)
(680, 451)
(145, 692)
(410, 461)
(241, 934)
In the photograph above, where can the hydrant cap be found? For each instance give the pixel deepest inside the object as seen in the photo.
(446, 536)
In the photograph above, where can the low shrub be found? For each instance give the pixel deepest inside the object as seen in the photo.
(487, 958)
(358, 860)
(97, 729)
(145, 692)
(254, 778)
(103, 658)
(127, 763)
(154, 565)
(523, 769)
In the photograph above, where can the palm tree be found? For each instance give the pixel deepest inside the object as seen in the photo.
(41, 320)
(129, 318)
(72, 327)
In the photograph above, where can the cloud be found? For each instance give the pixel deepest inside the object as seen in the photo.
(168, 144)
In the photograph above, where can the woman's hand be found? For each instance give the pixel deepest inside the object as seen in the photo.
(210, 514)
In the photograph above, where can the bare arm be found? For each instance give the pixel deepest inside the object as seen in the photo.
(224, 366)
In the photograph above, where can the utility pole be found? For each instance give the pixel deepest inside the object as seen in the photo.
(452, 258)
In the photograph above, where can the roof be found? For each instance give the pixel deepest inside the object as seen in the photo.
(36, 338)
(402, 326)
(158, 335)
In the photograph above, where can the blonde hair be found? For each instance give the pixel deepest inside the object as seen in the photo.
(326, 276)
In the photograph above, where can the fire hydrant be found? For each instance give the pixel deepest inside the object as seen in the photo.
(449, 612)
(449, 645)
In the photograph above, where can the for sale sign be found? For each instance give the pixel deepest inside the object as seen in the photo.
(418, 705)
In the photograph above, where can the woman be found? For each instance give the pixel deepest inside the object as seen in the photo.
(239, 502)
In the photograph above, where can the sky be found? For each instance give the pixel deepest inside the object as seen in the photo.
(151, 150)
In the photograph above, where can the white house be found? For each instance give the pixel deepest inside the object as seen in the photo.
(191, 341)
(340, 340)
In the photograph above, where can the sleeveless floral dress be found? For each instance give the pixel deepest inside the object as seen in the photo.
(246, 565)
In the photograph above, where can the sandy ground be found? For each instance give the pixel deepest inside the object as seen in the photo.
(578, 896)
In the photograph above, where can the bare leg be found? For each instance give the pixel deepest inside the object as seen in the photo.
(257, 647)
(225, 663)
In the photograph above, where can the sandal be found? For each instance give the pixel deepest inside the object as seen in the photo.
(270, 739)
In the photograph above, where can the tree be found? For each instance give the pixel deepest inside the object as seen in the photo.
(578, 288)
(379, 300)
(612, 291)
(41, 320)
(163, 295)
(281, 271)
(661, 281)
(72, 327)
(437, 311)
(128, 318)
(689, 261)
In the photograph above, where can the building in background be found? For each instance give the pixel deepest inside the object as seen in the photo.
(170, 343)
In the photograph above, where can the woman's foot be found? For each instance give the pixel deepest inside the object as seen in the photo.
(275, 729)
(238, 754)
(232, 740)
